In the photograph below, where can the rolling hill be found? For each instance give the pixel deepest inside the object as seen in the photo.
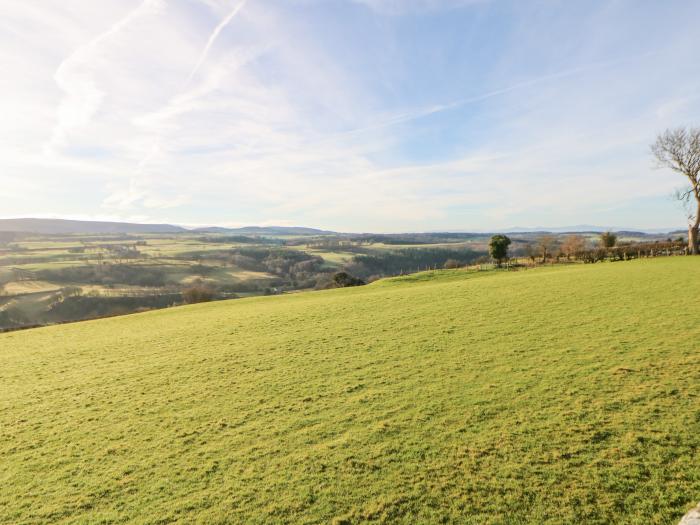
(264, 230)
(62, 226)
(555, 395)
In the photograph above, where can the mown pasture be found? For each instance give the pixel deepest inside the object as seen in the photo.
(556, 395)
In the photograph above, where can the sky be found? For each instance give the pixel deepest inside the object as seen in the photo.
(351, 115)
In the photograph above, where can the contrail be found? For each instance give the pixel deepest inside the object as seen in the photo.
(439, 108)
(146, 7)
(200, 61)
(213, 37)
(82, 98)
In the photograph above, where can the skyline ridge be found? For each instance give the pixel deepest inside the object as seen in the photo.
(183, 228)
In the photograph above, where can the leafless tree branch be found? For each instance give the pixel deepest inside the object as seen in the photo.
(679, 150)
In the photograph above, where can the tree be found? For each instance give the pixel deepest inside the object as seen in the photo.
(530, 251)
(573, 244)
(498, 248)
(679, 150)
(608, 239)
(546, 243)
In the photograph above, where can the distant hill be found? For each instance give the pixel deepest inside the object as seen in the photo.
(61, 226)
(265, 230)
(585, 228)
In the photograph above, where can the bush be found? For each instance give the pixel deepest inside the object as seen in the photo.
(198, 294)
(451, 264)
(344, 279)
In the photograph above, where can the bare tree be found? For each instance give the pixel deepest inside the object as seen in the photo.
(530, 251)
(547, 244)
(679, 150)
(573, 245)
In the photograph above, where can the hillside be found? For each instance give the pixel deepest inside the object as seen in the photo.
(62, 226)
(555, 395)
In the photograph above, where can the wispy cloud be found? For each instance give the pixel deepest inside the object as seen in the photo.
(82, 97)
(212, 37)
(144, 193)
(413, 114)
(394, 7)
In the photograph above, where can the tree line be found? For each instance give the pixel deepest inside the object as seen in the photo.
(575, 247)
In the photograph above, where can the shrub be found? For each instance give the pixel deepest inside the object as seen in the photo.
(198, 293)
(344, 279)
(451, 264)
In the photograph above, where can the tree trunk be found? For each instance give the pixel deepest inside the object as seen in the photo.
(693, 233)
(693, 239)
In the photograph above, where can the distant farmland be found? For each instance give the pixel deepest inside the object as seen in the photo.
(555, 395)
(47, 279)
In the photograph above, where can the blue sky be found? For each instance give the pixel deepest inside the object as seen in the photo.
(354, 115)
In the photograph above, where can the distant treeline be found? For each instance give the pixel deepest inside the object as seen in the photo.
(415, 238)
(84, 306)
(628, 251)
(6, 237)
(239, 239)
(394, 262)
(70, 305)
(107, 274)
(350, 241)
(298, 268)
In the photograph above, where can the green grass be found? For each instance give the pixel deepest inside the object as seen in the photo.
(558, 395)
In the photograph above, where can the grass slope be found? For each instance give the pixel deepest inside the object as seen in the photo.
(563, 395)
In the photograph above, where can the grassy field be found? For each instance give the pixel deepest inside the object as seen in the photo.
(23, 287)
(555, 395)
